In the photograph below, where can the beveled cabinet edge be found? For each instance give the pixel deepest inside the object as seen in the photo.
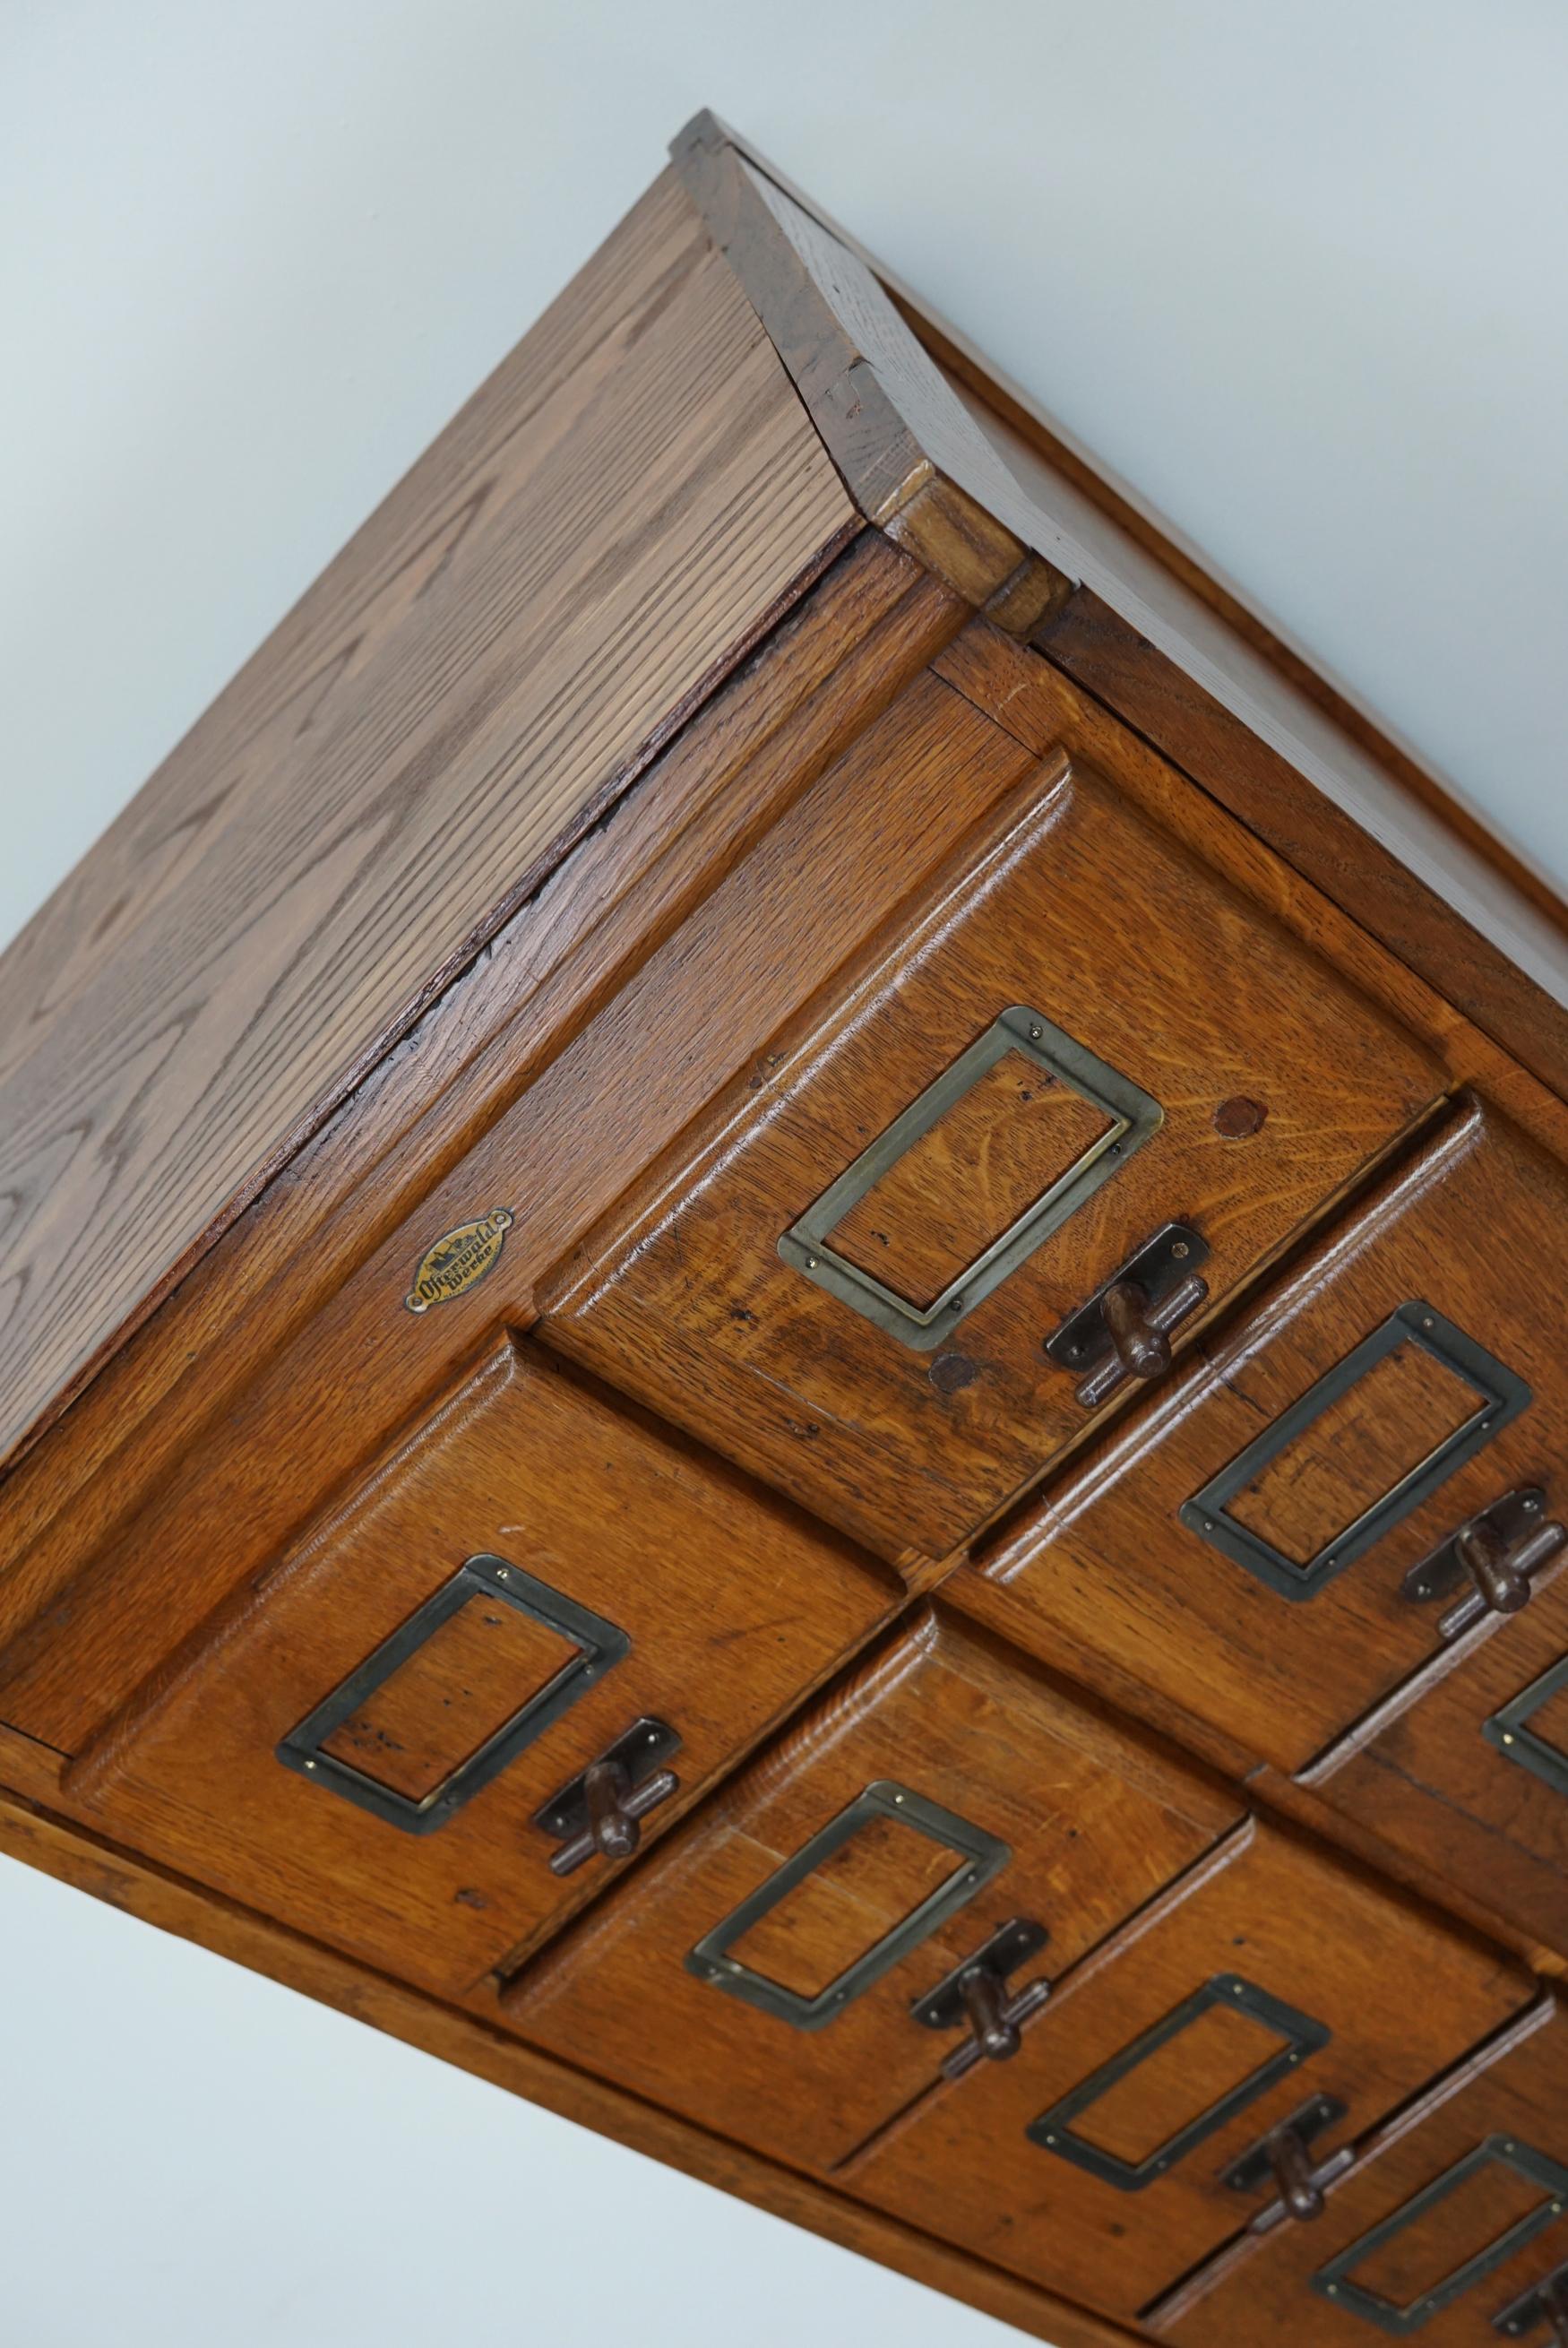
(463, 2036)
(961, 469)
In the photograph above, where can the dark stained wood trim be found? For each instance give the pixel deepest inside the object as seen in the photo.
(999, 394)
(1261, 783)
(1257, 780)
(464, 2037)
(1139, 523)
(965, 474)
(909, 454)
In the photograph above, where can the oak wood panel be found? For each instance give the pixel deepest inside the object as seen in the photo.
(968, 475)
(913, 460)
(1105, 1575)
(1039, 705)
(839, 659)
(733, 1608)
(105, 1870)
(1421, 1773)
(1403, 1409)
(1288, 1798)
(1095, 1823)
(1076, 908)
(1516, 2089)
(1285, 1921)
(1181, 667)
(807, 896)
(624, 508)
(1144, 549)
(981, 1166)
(28, 1768)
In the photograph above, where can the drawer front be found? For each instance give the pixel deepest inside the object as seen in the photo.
(1088, 1057)
(1466, 1770)
(535, 1581)
(765, 1973)
(1446, 2228)
(1272, 1547)
(1097, 2162)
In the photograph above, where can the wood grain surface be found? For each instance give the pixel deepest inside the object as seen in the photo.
(1329, 1945)
(732, 1605)
(503, 874)
(1106, 1576)
(960, 466)
(1095, 1823)
(1516, 2089)
(623, 508)
(174, 1400)
(1075, 908)
(1421, 1772)
(824, 876)
(469, 2038)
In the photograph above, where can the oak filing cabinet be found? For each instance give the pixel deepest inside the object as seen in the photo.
(784, 1341)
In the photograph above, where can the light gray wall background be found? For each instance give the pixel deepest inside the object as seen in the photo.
(1295, 271)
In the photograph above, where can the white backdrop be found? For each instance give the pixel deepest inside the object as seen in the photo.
(1295, 271)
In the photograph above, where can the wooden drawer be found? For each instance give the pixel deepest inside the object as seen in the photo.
(1466, 1769)
(1250, 1549)
(761, 1974)
(1085, 1036)
(1096, 2162)
(533, 1578)
(1445, 2229)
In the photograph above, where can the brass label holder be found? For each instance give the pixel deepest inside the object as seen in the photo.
(1135, 1118)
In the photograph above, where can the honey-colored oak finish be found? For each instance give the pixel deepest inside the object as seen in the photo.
(104, 1871)
(765, 984)
(1463, 2182)
(1261, 1919)
(1123, 1571)
(1061, 919)
(1467, 1769)
(461, 691)
(1090, 1825)
(724, 1610)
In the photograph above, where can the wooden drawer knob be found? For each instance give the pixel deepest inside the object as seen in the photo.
(1284, 2157)
(975, 1997)
(1498, 1553)
(599, 1813)
(1125, 1330)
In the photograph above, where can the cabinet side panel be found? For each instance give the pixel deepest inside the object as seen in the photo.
(620, 511)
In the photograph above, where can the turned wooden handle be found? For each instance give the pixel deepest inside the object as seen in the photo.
(1293, 2174)
(1494, 1567)
(1139, 1344)
(614, 1810)
(992, 2029)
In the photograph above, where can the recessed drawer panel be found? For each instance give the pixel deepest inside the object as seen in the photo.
(1450, 2226)
(1371, 1461)
(1467, 1768)
(524, 1646)
(789, 1968)
(1091, 1075)
(1100, 2162)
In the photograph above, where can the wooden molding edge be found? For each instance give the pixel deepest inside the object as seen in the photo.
(968, 479)
(910, 456)
(456, 2035)
(961, 359)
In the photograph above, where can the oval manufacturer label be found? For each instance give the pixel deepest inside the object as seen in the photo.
(458, 1259)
